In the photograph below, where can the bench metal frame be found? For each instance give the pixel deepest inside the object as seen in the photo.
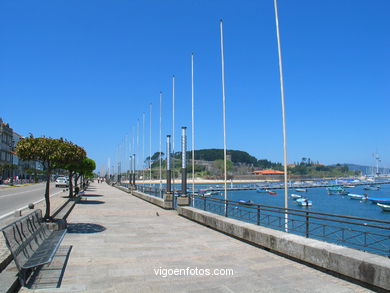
(31, 243)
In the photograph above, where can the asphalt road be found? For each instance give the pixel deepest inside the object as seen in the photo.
(15, 198)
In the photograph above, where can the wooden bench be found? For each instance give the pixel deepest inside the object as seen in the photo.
(31, 243)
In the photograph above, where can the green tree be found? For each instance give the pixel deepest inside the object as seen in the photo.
(74, 157)
(85, 169)
(49, 152)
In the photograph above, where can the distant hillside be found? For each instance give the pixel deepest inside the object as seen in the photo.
(367, 170)
(236, 156)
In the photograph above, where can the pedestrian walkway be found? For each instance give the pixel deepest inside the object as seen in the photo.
(120, 242)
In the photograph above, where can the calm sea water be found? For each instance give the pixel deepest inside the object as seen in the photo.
(322, 201)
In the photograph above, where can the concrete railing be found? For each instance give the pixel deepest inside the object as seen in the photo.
(165, 202)
(364, 267)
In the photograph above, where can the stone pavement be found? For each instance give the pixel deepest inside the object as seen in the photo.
(119, 241)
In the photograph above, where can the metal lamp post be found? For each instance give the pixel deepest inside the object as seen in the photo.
(183, 161)
(169, 174)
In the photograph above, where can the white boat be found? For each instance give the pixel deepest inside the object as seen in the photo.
(209, 193)
(384, 207)
(301, 189)
(304, 202)
(371, 187)
(245, 202)
(357, 196)
(295, 196)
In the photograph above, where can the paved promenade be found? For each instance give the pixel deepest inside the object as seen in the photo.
(119, 241)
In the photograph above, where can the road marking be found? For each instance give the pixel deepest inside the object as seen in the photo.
(11, 194)
(24, 207)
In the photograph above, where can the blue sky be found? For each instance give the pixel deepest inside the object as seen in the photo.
(87, 70)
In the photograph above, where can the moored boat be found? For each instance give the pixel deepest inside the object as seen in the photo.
(301, 189)
(336, 190)
(272, 192)
(304, 202)
(245, 202)
(261, 190)
(357, 196)
(295, 196)
(384, 207)
(371, 187)
(210, 193)
(381, 200)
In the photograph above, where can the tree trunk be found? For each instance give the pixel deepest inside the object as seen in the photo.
(70, 184)
(47, 195)
(76, 179)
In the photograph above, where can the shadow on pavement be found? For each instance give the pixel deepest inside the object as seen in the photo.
(50, 275)
(85, 228)
(91, 202)
(92, 195)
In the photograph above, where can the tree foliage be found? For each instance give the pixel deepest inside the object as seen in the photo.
(51, 153)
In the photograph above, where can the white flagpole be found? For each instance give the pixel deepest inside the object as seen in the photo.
(224, 114)
(173, 133)
(283, 115)
(160, 141)
(133, 151)
(143, 149)
(193, 124)
(137, 150)
(150, 144)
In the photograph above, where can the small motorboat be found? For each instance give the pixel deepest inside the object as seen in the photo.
(272, 192)
(301, 189)
(261, 190)
(349, 186)
(210, 193)
(336, 190)
(371, 187)
(381, 200)
(357, 196)
(304, 202)
(245, 202)
(295, 196)
(384, 207)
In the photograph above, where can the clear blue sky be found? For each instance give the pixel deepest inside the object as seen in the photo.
(87, 70)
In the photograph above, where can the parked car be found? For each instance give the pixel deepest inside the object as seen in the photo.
(62, 182)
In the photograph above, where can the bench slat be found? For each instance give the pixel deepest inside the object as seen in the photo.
(31, 242)
(46, 251)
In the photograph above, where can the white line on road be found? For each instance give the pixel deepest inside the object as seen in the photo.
(11, 194)
(26, 206)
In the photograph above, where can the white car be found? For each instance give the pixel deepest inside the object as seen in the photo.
(62, 182)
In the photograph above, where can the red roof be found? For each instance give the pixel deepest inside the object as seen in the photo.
(269, 172)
